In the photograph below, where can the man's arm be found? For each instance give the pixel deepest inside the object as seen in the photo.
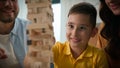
(2, 54)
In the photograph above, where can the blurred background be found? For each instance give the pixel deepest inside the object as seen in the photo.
(60, 10)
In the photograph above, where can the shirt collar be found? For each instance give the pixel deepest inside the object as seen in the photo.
(15, 28)
(67, 49)
(87, 53)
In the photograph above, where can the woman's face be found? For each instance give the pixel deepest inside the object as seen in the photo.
(114, 6)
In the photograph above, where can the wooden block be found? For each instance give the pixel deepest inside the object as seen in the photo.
(34, 5)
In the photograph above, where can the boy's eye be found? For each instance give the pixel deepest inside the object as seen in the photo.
(82, 27)
(70, 26)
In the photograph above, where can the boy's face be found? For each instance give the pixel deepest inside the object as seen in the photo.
(79, 29)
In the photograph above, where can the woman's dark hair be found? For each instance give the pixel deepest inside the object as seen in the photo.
(111, 30)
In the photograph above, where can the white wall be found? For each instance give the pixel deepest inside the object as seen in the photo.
(57, 22)
(23, 9)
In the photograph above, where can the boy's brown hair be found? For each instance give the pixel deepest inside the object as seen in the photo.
(85, 8)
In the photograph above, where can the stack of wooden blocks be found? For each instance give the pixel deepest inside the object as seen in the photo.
(40, 33)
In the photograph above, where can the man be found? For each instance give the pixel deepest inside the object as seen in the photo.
(13, 45)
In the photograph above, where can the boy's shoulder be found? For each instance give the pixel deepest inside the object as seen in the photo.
(59, 46)
(96, 51)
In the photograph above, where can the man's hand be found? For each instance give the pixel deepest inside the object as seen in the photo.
(2, 54)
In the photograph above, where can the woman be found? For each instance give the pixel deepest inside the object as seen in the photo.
(110, 14)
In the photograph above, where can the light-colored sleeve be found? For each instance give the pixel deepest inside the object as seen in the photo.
(55, 51)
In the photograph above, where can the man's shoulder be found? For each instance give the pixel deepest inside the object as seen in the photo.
(20, 26)
(22, 21)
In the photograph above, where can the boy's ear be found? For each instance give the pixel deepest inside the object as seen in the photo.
(94, 32)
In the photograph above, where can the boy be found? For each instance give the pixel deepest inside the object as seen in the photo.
(76, 52)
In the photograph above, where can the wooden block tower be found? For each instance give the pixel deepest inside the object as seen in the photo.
(40, 33)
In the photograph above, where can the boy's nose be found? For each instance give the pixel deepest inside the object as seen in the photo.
(75, 32)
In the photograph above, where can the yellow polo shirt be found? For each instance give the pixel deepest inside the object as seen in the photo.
(90, 58)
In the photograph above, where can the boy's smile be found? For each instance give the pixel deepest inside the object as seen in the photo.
(79, 29)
